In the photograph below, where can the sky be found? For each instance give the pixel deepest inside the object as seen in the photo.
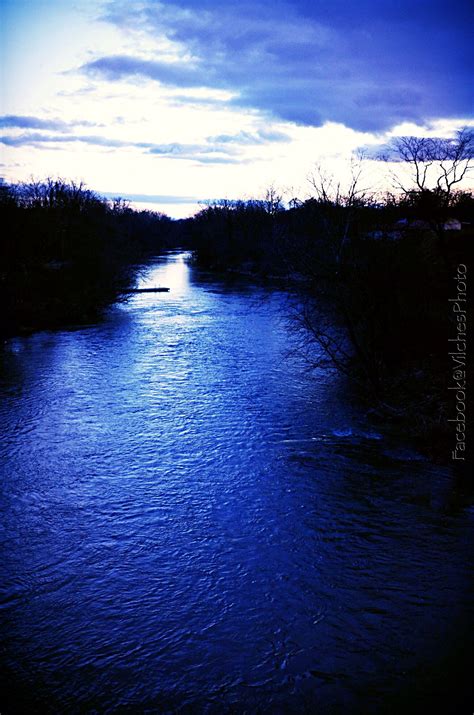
(171, 104)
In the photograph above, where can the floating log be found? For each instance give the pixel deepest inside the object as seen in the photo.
(148, 290)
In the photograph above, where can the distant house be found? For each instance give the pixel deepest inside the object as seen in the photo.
(452, 224)
(402, 227)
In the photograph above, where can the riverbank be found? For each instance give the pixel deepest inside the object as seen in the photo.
(414, 405)
(374, 302)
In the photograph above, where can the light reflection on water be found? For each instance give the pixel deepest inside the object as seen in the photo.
(194, 524)
(169, 274)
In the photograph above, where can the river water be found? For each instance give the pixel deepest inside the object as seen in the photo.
(194, 523)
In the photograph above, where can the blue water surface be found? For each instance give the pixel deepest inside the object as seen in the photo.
(193, 522)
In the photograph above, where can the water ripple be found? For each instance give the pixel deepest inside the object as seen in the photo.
(190, 523)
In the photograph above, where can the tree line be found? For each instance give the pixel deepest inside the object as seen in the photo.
(66, 253)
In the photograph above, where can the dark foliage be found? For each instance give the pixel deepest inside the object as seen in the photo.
(372, 281)
(66, 253)
(236, 234)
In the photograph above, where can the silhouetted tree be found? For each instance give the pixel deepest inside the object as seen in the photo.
(437, 165)
(66, 253)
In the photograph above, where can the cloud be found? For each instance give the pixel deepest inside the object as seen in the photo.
(207, 159)
(33, 138)
(27, 122)
(21, 121)
(202, 153)
(261, 136)
(167, 73)
(367, 65)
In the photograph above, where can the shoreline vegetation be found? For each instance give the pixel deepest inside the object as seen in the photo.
(372, 279)
(372, 285)
(67, 253)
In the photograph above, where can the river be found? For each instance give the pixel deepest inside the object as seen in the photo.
(193, 523)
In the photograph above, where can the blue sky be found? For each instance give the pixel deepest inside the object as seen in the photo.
(180, 102)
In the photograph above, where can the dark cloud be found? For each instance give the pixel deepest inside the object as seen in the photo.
(368, 65)
(118, 66)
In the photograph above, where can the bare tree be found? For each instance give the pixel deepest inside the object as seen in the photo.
(329, 324)
(330, 191)
(436, 165)
(273, 200)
